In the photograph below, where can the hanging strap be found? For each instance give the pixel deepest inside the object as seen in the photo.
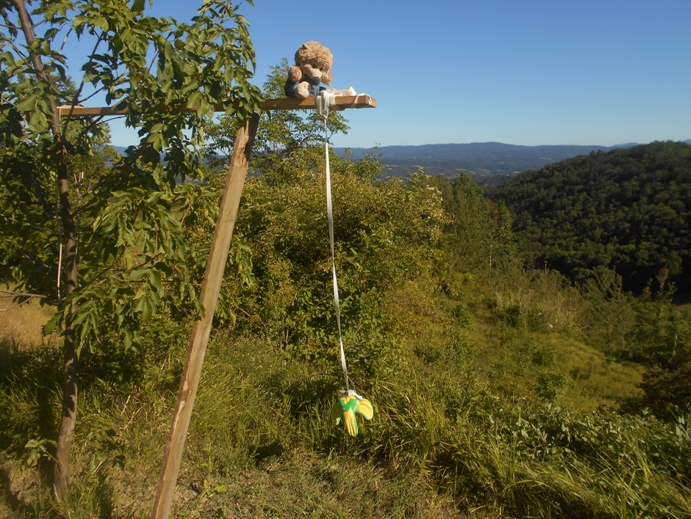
(323, 101)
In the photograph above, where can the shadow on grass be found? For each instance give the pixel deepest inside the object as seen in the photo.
(104, 493)
(310, 393)
(260, 453)
(13, 498)
(29, 393)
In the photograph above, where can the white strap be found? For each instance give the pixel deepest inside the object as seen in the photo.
(324, 100)
(327, 99)
(350, 392)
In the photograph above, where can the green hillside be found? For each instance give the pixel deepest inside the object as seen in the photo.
(627, 210)
(498, 391)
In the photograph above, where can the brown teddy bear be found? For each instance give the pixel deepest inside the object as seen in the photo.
(312, 67)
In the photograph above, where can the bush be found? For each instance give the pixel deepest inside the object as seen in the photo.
(387, 245)
(551, 385)
(667, 394)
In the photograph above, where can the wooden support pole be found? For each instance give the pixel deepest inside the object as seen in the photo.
(215, 267)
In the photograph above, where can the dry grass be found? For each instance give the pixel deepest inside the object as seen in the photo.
(512, 360)
(595, 380)
(23, 325)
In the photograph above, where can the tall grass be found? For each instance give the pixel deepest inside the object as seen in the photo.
(464, 425)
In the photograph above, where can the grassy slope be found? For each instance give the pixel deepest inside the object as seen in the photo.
(261, 443)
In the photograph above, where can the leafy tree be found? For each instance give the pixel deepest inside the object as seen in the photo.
(388, 241)
(666, 393)
(119, 227)
(479, 234)
(611, 317)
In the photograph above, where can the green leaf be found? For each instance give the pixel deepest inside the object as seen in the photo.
(49, 327)
(204, 109)
(28, 103)
(145, 308)
(101, 23)
(138, 6)
(138, 274)
(127, 339)
(155, 281)
(193, 99)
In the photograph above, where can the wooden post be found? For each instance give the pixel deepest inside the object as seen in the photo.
(215, 267)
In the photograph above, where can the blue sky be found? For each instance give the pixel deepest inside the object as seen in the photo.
(520, 72)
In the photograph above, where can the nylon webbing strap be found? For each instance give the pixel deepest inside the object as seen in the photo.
(323, 102)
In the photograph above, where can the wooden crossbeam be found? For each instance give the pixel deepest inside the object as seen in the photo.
(286, 103)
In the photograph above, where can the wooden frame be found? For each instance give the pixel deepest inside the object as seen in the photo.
(213, 276)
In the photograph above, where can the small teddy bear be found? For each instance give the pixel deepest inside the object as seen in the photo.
(312, 67)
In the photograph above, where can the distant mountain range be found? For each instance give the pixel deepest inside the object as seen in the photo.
(477, 158)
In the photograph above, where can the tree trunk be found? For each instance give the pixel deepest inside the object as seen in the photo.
(69, 400)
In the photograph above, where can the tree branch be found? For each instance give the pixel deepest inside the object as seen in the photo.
(27, 27)
(25, 224)
(70, 389)
(15, 306)
(10, 293)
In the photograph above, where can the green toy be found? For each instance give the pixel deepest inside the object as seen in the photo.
(347, 407)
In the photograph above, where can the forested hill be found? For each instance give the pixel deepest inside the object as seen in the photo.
(627, 209)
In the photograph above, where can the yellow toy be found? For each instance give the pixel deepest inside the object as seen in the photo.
(347, 407)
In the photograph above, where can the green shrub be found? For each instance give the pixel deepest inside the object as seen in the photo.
(666, 393)
(551, 385)
(544, 355)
